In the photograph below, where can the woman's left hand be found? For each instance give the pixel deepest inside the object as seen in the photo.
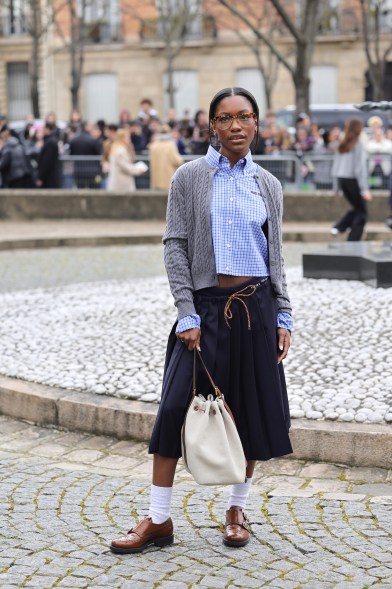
(284, 339)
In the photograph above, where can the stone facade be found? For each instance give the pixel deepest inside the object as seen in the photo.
(138, 66)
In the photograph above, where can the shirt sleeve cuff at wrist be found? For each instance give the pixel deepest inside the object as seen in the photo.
(285, 321)
(188, 322)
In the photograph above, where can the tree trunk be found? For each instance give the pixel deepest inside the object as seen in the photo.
(75, 97)
(34, 78)
(74, 77)
(301, 81)
(267, 79)
(36, 34)
(170, 81)
(378, 80)
(78, 25)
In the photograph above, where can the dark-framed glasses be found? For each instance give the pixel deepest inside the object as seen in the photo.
(225, 121)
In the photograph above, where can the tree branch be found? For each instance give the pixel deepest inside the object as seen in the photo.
(288, 21)
(258, 34)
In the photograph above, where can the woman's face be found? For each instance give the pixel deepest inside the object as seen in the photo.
(236, 139)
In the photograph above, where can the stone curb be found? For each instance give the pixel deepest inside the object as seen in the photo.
(88, 241)
(345, 443)
(289, 235)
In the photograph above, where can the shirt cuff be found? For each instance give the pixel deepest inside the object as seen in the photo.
(285, 321)
(188, 322)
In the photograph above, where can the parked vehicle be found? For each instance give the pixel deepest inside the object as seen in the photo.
(327, 116)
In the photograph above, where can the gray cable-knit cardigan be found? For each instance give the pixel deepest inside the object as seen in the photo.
(189, 251)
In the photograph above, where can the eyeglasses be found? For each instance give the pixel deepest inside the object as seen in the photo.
(225, 121)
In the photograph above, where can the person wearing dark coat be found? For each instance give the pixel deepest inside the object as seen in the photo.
(15, 167)
(87, 173)
(48, 173)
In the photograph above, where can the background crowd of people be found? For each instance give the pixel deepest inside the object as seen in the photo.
(30, 158)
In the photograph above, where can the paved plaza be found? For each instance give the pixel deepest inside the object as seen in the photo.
(96, 319)
(64, 496)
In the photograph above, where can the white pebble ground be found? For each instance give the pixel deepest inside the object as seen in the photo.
(110, 337)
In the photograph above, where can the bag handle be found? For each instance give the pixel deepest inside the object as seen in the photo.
(216, 389)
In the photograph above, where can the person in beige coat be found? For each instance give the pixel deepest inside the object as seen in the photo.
(122, 166)
(164, 159)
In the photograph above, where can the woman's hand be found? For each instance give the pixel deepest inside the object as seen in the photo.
(191, 338)
(367, 195)
(284, 339)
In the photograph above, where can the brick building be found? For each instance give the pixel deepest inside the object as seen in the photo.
(124, 58)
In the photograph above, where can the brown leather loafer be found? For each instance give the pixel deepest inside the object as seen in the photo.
(144, 534)
(237, 528)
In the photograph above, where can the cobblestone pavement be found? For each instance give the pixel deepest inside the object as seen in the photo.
(64, 496)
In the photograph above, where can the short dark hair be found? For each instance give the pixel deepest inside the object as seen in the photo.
(50, 126)
(226, 93)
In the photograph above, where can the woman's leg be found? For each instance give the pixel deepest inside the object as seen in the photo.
(352, 194)
(237, 530)
(250, 467)
(346, 220)
(161, 488)
(157, 528)
(163, 471)
(240, 491)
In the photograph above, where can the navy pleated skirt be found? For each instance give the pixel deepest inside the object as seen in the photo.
(243, 364)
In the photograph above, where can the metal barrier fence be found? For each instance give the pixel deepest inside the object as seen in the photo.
(313, 171)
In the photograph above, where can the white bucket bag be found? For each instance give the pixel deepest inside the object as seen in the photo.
(211, 447)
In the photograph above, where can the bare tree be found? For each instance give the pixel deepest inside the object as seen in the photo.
(176, 22)
(263, 17)
(374, 27)
(303, 30)
(75, 41)
(34, 18)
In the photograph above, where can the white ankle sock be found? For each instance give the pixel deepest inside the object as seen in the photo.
(160, 501)
(239, 494)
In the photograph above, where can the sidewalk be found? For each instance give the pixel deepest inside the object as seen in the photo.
(65, 495)
(77, 232)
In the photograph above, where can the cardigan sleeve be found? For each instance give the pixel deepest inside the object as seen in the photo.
(175, 240)
(283, 301)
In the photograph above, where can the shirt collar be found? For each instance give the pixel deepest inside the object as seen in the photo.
(215, 159)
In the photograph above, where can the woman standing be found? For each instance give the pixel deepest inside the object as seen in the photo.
(350, 170)
(164, 159)
(225, 268)
(122, 168)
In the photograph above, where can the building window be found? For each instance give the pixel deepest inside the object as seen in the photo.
(101, 97)
(252, 79)
(186, 97)
(13, 18)
(18, 84)
(386, 16)
(323, 84)
(102, 19)
(183, 13)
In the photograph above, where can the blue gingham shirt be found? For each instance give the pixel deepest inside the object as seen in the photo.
(237, 215)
